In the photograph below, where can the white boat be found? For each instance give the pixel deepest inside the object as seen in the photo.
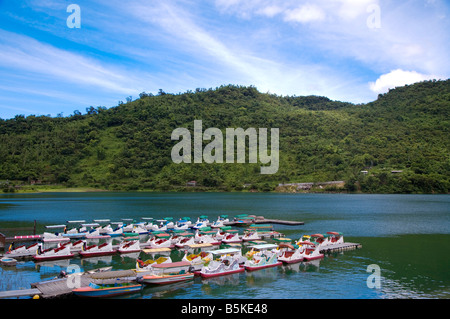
(290, 254)
(262, 256)
(185, 241)
(228, 263)
(208, 239)
(118, 231)
(231, 238)
(161, 241)
(335, 238)
(251, 235)
(53, 253)
(146, 266)
(168, 273)
(311, 251)
(220, 221)
(104, 249)
(139, 229)
(197, 261)
(75, 246)
(182, 224)
(201, 222)
(22, 251)
(129, 247)
(57, 236)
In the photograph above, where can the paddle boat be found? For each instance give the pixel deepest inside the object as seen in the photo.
(75, 246)
(183, 224)
(185, 241)
(226, 264)
(262, 256)
(202, 221)
(53, 253)
(161, 240)
(107, 290)
(57, 236)
(139, 229)
(129, 247)
(146, 266)
(118, 231)
(335, 238)
(231, 238)
(104, 249)
(168, 273)
(220, 221)
(105, 228)
(225, 230)
(291, 254)
(197, 261)
(22, 251)
(311, 251)
(251, 235)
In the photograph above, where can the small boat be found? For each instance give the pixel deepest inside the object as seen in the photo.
(129, 247)
(335, 238)
(145, 266)
(168, 273)
(251, 235)
(186, 241)
(76, 246)
(226, 265)
(197, 261)
(161, 241)
(262, 256)
(118, 231)
(291, 254)
(231, 238)
(312, 251)
(202, 221)
(54, 237)
(53, 253)
(22, 251)
(220, 221)
(104, 249)
(8, 261)
(107, 290)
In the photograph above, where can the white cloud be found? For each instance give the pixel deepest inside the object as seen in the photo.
(304, 14)
(397, 78)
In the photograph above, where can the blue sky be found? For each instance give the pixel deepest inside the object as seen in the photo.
(347, 50)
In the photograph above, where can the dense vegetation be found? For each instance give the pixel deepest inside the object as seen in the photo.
(128, 147)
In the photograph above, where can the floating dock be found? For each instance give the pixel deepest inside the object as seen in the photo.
(340, 247)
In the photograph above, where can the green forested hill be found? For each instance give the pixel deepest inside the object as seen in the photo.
(128, 147)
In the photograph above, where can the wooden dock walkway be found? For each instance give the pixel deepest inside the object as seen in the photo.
(340, 247)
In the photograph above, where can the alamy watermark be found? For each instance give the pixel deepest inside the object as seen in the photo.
(374, 19)
(374, 280)
(214, 151)
(74, 19)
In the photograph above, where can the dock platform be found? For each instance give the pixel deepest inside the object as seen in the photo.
(340, 247)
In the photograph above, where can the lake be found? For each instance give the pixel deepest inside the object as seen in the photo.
(406, 236)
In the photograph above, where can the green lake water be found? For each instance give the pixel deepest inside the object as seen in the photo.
(406, 236)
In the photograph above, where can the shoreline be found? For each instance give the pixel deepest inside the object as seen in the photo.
(63, 189)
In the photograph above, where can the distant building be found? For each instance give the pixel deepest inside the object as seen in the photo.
(396, 171)
(191, 183)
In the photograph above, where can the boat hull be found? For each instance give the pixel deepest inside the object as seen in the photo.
(106, 292)
(97, 254)
(166, 279)
(229, 272)
(45, 258)
(253, 268)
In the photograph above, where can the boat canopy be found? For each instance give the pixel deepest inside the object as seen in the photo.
(264, 246)
(102, 220)
(334, 233)
(318, 235)
(55, 226)
(172, 265)
(76, 221)
(225, 251)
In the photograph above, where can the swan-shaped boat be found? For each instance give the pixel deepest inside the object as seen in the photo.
(104, 249)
